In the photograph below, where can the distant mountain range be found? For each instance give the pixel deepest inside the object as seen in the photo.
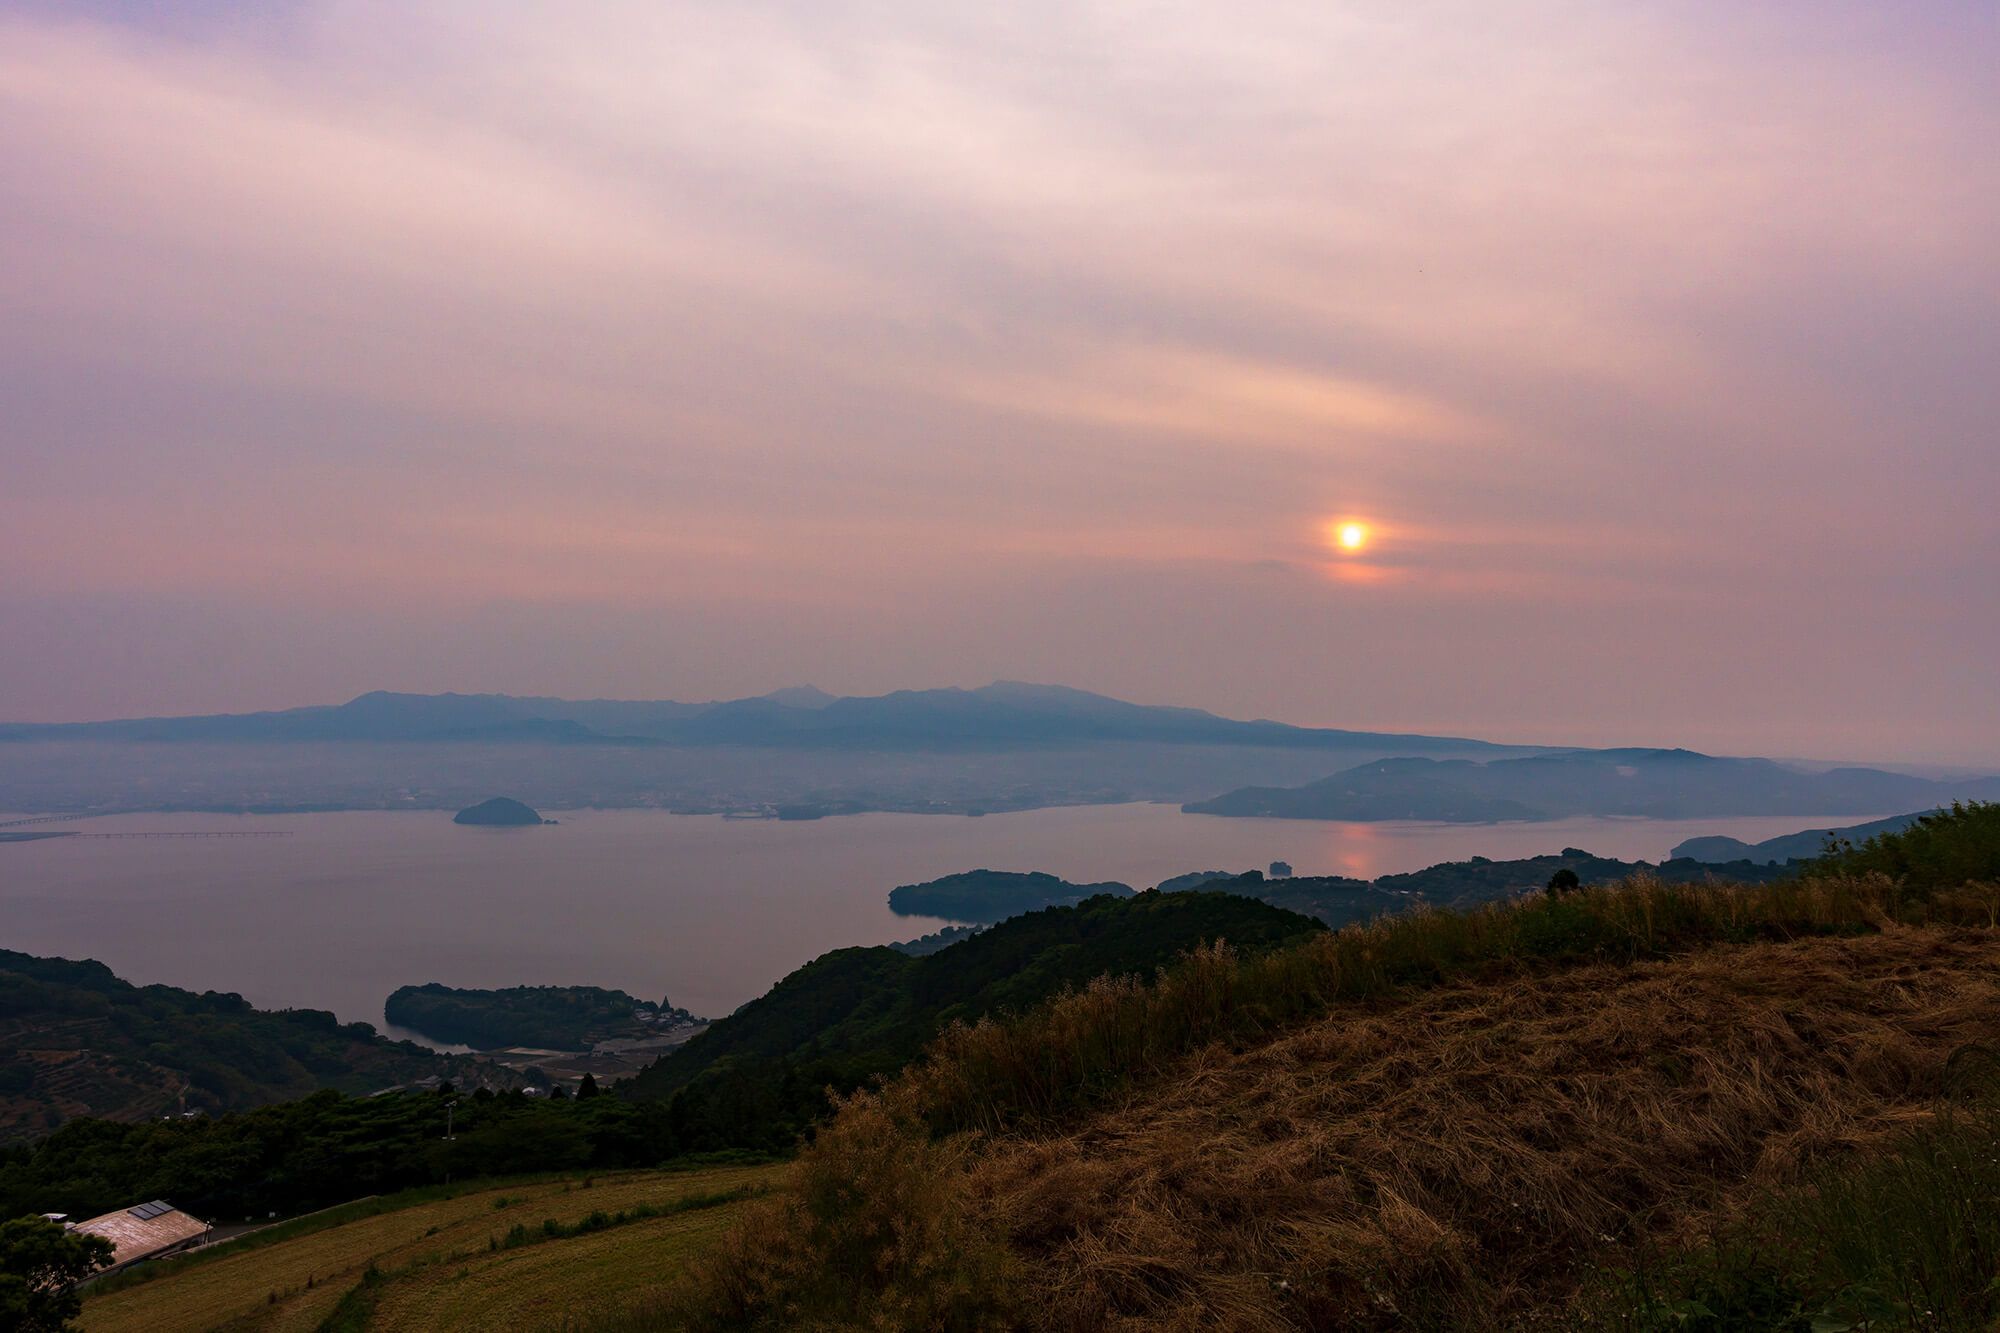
(801, 753)
(1004, 714)
(1656, 784)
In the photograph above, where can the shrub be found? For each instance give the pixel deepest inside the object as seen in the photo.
(1941, 849)
(877, 1231)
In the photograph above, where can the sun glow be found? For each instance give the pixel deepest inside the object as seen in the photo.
(1350, 536)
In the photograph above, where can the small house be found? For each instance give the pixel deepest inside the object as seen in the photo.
(146, 1231)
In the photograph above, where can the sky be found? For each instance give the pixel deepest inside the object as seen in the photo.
(665, 349)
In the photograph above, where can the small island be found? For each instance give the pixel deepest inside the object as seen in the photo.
(500, 812)
(561, 1018)
(994, 895)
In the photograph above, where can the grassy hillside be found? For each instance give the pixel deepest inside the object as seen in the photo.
(1575, 1111)
(75, 1040)
(1456, 1152)
(532, 1254)
(756, 1078)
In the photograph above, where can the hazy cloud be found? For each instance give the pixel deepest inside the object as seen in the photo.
(891, 345)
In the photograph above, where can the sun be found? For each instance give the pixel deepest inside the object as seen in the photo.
(1350, 536)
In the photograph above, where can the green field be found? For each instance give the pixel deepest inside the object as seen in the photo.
(450, 1262)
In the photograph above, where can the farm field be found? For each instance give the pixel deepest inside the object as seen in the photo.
(450, 1263)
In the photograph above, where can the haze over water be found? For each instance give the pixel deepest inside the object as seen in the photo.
(705, 910)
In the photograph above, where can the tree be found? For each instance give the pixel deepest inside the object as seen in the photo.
(587, 1088)
(40, 1267)
(1564, 881)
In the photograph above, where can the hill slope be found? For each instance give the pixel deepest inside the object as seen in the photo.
(1453, 1153)
(1801, 846)
(76, 1040)
(855, 1013)
(1449, 1121)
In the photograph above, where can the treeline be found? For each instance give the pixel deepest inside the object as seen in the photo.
(325, 1149)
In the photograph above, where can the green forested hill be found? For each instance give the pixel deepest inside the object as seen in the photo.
(855, 1013)
(76, 1040)
(563, 1018)
(323, 1149)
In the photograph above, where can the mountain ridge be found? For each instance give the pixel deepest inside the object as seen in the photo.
(1002, 713)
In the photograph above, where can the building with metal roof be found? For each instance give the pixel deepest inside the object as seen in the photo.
(147, 1231)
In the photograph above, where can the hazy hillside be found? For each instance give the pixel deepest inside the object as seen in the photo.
(1801, 846)
(1656, 784)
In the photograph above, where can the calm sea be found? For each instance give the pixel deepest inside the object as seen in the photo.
(706, 911)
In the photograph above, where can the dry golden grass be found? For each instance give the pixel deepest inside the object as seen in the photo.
(1443, 1156)
(1449, 1160)
(1071, 1052)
